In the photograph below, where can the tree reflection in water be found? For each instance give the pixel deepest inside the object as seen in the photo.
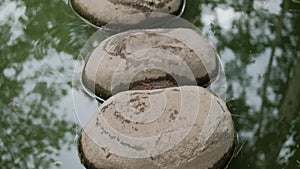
(37, 47)
(260, 46)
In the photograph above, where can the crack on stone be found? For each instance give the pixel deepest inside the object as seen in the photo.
(121, 118)
(223, 109)
(121, 142)
(107, 155)
(131, 146)
(161, 135)
(105, 107)
(145, 5)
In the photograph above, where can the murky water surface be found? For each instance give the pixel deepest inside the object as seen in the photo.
(40, 42)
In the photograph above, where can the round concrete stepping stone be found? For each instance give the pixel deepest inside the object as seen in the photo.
(172, 128)
(101, 12)
(150, 59)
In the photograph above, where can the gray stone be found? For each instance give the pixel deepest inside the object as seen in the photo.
(101, 12)
(150, 59)
(172, 128)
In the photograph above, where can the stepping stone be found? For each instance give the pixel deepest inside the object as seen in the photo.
(150, 59)
(173, 128)
(101, 12)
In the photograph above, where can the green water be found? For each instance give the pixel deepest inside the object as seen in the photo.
(259, 44)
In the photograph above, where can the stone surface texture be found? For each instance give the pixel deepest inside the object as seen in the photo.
(189, 126)
(101, 12)
(155, 58)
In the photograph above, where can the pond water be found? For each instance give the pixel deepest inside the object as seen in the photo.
(40, 41)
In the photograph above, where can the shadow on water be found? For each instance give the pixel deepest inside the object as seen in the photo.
(258, 41)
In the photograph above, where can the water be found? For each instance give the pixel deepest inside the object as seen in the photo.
(259, 44)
